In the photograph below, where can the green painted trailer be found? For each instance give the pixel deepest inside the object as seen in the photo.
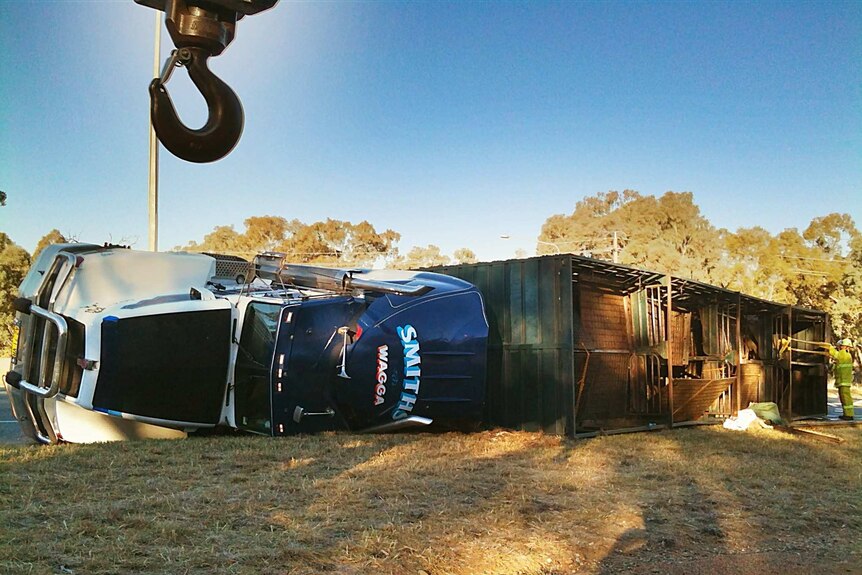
(530, 341)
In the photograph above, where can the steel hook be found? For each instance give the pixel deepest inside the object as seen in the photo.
(225, 122)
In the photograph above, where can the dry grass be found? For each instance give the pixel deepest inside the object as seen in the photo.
(690, 500)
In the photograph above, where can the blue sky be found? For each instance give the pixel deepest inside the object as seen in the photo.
(451, 123)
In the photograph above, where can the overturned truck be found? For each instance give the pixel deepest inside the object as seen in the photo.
(112, 343)
(119, 344)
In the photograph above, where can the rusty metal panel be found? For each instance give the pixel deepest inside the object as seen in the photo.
(603, 396)
(603, 323)
(640, 320)
(617, 386)
(681, 338)
(692, 397)
(753, 382)
(718, 328)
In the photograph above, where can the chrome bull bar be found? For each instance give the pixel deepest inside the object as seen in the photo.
(43, 304)
(43, 388)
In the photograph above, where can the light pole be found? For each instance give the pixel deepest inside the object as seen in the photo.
(553, 245)
(153, 194)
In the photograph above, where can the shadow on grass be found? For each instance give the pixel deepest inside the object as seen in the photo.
(728, 497)
(206, 505)
(490, 502)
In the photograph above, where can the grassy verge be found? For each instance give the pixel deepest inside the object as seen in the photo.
(491, 502)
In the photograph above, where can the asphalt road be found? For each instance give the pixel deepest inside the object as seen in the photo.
(833, 403)
(10, 431)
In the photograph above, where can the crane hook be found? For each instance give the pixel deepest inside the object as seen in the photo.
(225, 122)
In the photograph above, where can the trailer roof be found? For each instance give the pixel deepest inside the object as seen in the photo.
(624, 278)
(687, 293)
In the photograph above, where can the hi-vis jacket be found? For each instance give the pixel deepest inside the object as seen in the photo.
(843, 366)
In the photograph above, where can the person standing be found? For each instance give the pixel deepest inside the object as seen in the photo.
(844, 375)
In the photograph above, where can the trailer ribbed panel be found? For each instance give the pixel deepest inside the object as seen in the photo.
(530, 350)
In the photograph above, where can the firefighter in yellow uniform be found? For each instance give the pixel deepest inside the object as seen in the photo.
(844, 375)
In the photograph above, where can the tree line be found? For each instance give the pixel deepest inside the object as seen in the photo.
(819, 267)
(329, 242)
(14, 264)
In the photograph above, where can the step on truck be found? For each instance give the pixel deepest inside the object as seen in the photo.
(112, 343)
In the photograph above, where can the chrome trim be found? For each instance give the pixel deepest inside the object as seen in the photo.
(406, 423)
(49, 439)
(60, 275)
(273, 267)
(59, 283)
(59, 322)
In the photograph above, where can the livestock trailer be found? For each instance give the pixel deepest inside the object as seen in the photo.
(579, 346)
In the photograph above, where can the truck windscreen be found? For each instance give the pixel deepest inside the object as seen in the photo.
(253, 367)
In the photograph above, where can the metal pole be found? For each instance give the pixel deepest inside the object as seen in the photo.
(568, 304)
(553, 245)
(790, 364)
(669, 338)
(738, 352)
(153, 196)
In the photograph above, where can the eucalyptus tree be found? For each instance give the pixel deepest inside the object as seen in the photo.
(14, 263)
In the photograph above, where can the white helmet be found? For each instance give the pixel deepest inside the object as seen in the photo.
(846, 341)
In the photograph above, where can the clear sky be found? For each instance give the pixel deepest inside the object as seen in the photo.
(451, 123)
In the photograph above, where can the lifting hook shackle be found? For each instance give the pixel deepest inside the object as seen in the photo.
(225, 121)
(200, 29)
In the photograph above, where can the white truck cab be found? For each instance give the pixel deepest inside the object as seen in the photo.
(120, 344)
